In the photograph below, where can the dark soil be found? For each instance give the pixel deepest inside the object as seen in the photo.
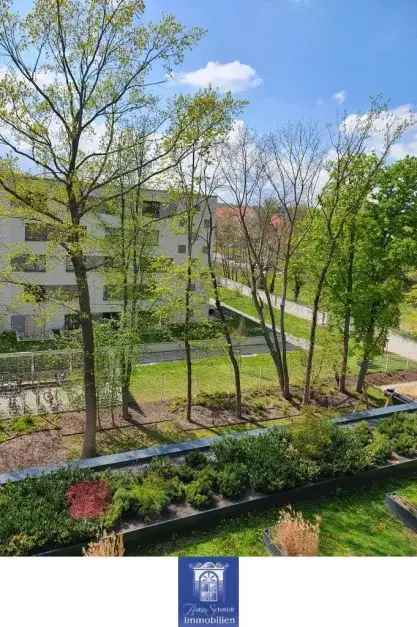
(59, 436)
(384, 378)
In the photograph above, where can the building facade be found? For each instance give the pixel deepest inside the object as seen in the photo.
(36, 268)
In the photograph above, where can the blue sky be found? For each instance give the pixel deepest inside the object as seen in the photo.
(299, 59)
(305, 51)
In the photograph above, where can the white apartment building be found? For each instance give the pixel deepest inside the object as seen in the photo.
(56, 272)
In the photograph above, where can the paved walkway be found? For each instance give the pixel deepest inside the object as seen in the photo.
(397, 344)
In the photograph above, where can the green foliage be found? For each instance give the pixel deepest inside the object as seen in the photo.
(146, 498)
(185, 473)
(199, 494)
(231, 450)
(176, 490)
(163, 467)
(198, 330)
(34, 514)
(401, 432)
(274, 463)
(196, 459)
(233, 480)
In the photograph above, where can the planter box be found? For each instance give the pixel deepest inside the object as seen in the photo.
(273, 549)
(174, 522)
(404, 511)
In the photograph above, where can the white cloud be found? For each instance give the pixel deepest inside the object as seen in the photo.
(403, 114)
(340, 96)
(234, 76)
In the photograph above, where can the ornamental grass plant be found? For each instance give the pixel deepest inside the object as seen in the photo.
(296, 536)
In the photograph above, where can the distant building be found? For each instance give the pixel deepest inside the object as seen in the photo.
(49, 275)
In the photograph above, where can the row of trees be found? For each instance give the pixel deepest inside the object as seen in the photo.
(83, 130)
(332, 215)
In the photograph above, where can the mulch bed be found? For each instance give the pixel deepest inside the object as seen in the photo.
(384, 378)
(54, 445)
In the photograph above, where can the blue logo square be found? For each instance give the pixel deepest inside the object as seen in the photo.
(208, 591)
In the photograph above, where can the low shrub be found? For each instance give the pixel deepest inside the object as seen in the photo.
(274, 463)
(401, 432)
(163, 467)
(345, 453)
(230, 450)
(147, 498)
(88, 499)
(185, 473)
(196, 459)
(34, 514)
(209, 476)
(176, 490)
(295, 535)
(199, 494)
(233, 481)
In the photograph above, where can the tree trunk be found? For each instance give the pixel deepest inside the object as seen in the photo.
(363, 370)
(297, 289)
(187, 344)
(125, 385)
(230, 349)
(273, 346)
(313, 331)
(348, 309)
(345, 351)
(282, 328)
(89, 448)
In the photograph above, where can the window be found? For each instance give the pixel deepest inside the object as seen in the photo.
(205, 250)
(111, 292)
(192, 287)
(29, 263)
(153, 238)
(110, 231)
(182, 248)
(151, 208)
(92, 262)
(207, 223)
(36, 232)
(61, 292)
(72, 321)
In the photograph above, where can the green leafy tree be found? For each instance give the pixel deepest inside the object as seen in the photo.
(208, 117)
(349, 143)
(386, 250)
(77, 69)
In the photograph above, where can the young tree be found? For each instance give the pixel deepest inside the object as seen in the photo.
(341, 276)
(76, 70)
(348, 144)
(243, 173)
(294, 161)
(208, 117)
(385, 250)
(130, 275)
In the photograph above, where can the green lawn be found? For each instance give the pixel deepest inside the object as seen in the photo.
(168, 380)
(294, 326)
(300, 328)
(408, 323)
(408, 320)
(353, 523)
